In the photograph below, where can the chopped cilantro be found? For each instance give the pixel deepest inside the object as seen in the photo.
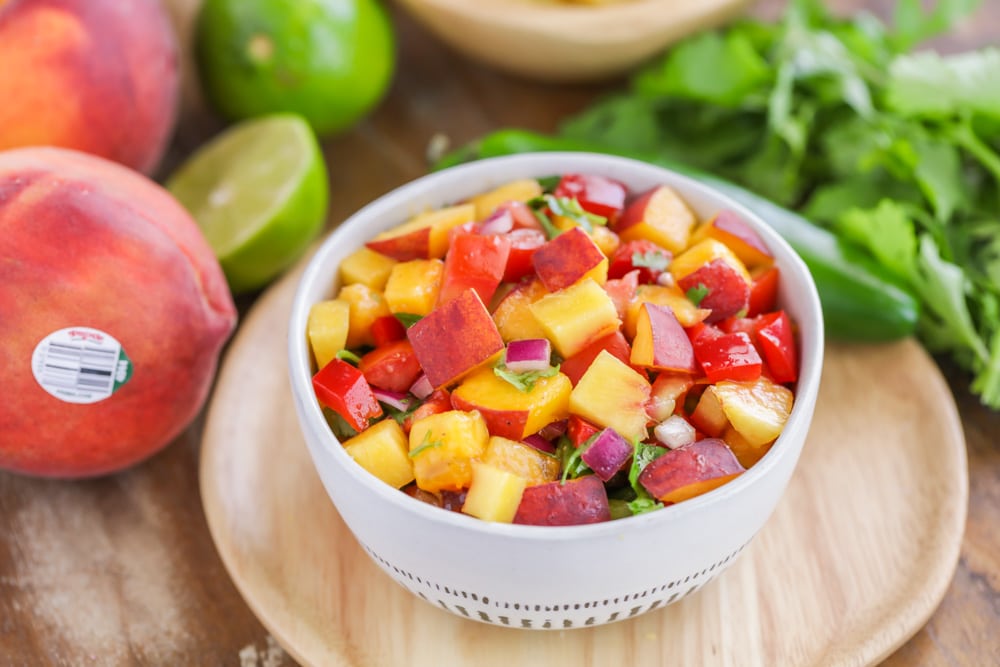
(698, 293)
(408, 319)
(401, 415)
(535, 206)
(569, 455)
(643, 454)
(424, 445)
(549, 183)
(652, 259)
(347, 355)
(524, 381)
(569, 207)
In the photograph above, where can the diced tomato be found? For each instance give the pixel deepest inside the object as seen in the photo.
(393, 366)
(476, 262)
(387, 329)
(644, 252)
(596, 194)
(344, 389)
(574, 367)
(728, 357)
(744, 324)
(777, 344)
(439, 401)
(524, 242)
(521, 214)
(580, 430)
(763, 292)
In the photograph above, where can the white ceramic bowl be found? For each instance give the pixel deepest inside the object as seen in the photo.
(535, 576)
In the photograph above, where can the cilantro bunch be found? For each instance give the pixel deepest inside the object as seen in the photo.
(894, 149)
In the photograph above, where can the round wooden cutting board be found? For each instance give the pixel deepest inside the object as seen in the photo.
(855, 559)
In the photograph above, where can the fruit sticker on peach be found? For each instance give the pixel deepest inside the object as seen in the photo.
(80, 365)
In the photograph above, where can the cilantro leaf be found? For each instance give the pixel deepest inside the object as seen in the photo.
(524, 381)
(424, 445)
(569, 456)
(642, 455)
(927, 83)
(913, 25)
(348, 356)
(697, 293)
(408, 319)
(569, 207)
(535, 206)
(887, 232)
(652, 259)
(549, 183)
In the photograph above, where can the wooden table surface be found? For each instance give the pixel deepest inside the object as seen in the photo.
(123, 571)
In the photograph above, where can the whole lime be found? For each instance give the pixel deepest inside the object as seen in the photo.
(330, 61)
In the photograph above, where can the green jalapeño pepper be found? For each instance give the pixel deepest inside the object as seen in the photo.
(861, 301)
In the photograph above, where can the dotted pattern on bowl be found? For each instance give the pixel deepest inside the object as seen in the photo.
(500, 611)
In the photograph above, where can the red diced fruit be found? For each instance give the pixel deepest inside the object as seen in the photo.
(387, 329)
(523, 244)
(474, 262)
(660, 341)
(728, 357)
(569, 257)
(521, 215)
(574, 502)
(763, 292)
(436, 403)
(343, 388)
(607, 454)
(622, 292)
(646, 257)
(574, 367)
(777, 344)
(690, 471)
(393, 366)
(730, 228)
(580, 430)
(722, 289)
(596, 194)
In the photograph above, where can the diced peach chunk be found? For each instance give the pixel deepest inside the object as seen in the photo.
(611, 394)
(574, 317)
(568, 258)
(508, 411)
(521, 459)
(757, 410)
(494, 493)
(366, 306)
(424, 236)
(443, 447)
(660, 341)
(413, 286)
(382, 450)
(364, 265)
(658, 215)
(671, 296)
(327, 329)
(513, 317)
(690, 471)
(521, 190)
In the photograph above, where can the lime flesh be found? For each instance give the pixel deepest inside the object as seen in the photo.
(259, 193)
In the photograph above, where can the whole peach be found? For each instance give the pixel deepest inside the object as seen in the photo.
(113, 311)
(100, 76)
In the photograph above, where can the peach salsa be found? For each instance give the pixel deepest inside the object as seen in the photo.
(557, 351)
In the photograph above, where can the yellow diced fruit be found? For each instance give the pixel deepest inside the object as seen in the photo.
(522, 190)
(443, 446)
(366, 306)
(327, 329)
(509, 411)
(666, 221)
(671, 296)
(605, 239)
(382, 450)
(413, 286)
(702, 253)
(513, 317)
(367, 267)
(746, 453)
(574, 317)
(494, 493)
(757, 410)
(612, 394)
(523, 460)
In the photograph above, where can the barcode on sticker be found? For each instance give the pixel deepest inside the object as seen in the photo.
(80, 365)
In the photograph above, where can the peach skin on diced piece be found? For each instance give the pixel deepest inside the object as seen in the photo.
(730, 228)
(455, 338)
(720, 288)
(513, 317)
(382, 450)
(611, 394)
(658, 215)
(757, 410)
(660, 341)
(708, 415)
(508, 411)
(424, 236)
(521, 459)
(577, 501)
(690, 471)
(413, 286)
(443, 447)
(574, 317)
(703, 252)
(568, 258)
(667, 392)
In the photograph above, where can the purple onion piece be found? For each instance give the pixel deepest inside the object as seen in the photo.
(607, 454)
(530, 354)
(395, 399)
(540, 443)
(422, 387)
(499, 222)
(554, 430)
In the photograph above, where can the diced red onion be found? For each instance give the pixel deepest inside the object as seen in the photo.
(607, 454)
(674, 432)
(422, 388)
(395, 399)
(553, 430)
(499, 222)
(539, 443)
(530, 354)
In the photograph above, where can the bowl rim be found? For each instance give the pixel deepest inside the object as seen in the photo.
(310, 413)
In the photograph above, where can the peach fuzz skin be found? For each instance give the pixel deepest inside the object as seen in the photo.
(87, 243)
(99, 76)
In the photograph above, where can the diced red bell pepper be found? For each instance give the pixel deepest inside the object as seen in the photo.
(393, 366)
(438, 402)
(596, 194)
(777, 344)
(344, 389)
(575, 366)
(387, 329)
(476, 262)
(763, 292)
(644, 252)
(702, 330)
(728, 357)
(524, 242)
(733, 324)
(580, 430)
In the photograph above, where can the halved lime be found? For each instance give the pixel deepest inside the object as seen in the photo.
(259, 193)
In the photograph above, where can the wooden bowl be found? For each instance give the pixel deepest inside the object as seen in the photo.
(560, 42)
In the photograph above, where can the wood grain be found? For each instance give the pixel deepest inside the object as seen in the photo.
(123, 570)
(847, 569)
